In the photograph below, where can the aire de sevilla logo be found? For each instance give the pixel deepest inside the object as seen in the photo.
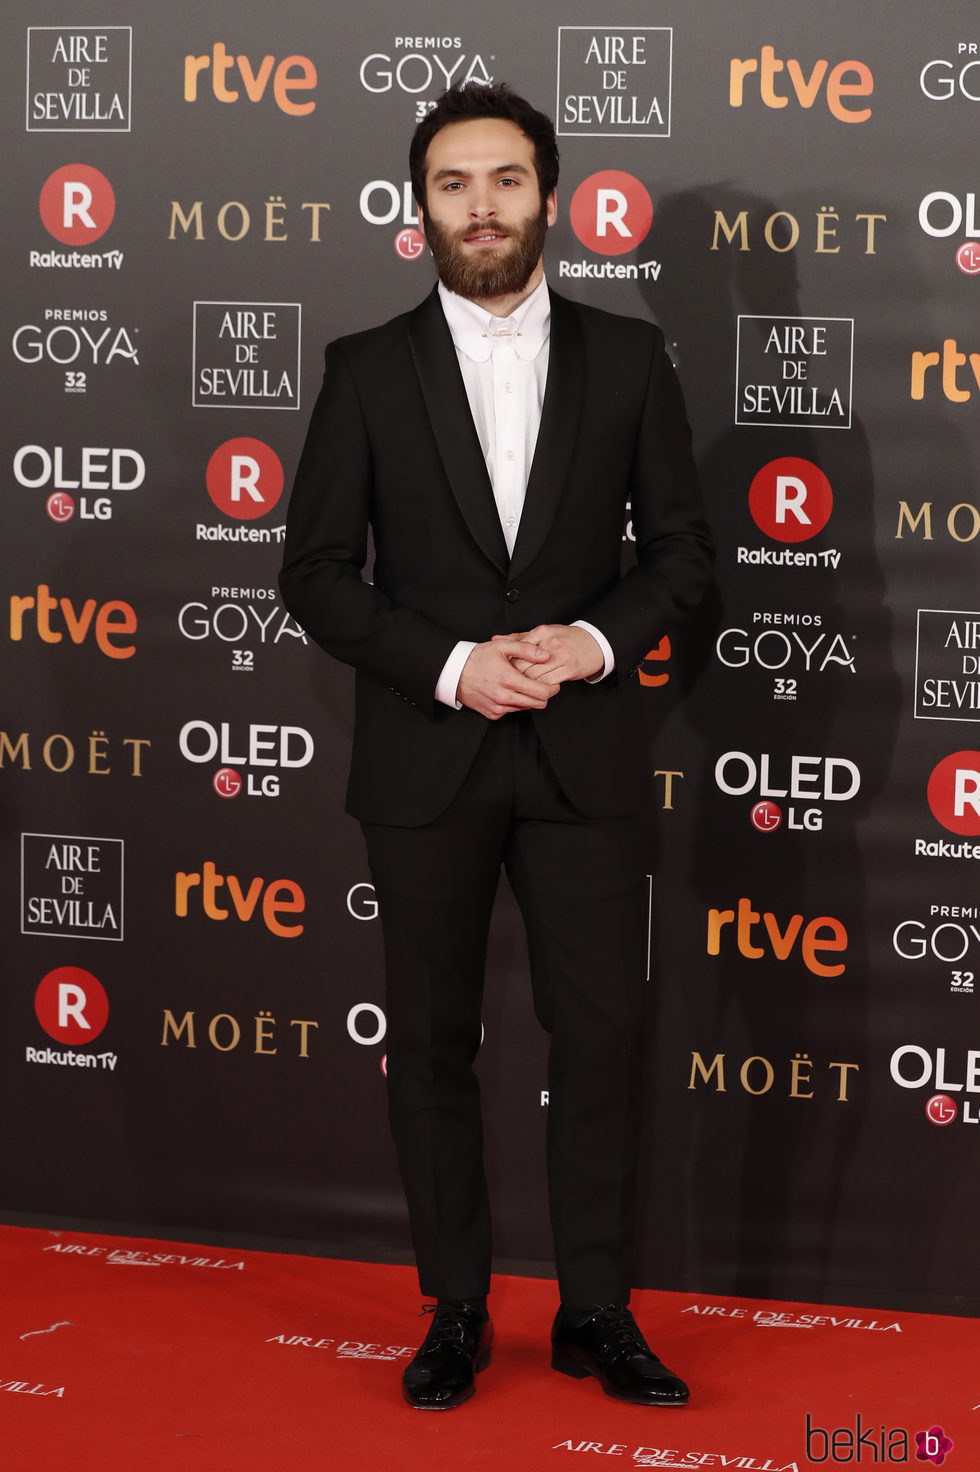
(611, 212)
(954, 792)
(71, 1005)
(790, 499)
(244, 478)
(77, 204)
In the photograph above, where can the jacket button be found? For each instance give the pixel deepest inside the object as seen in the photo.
(512, 595)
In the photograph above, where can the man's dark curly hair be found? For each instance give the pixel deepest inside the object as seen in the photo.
(476, 100)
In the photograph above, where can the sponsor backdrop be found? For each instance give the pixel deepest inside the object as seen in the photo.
(193, 1026)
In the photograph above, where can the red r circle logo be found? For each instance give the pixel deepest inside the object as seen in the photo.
(611, 212)
(71, 1005)
(77, 204)
(790, 499)
(244, 478)
(954, 792)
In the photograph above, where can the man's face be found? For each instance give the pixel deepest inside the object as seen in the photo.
(484, 219)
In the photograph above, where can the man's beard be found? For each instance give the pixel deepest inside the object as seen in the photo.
(491, 273)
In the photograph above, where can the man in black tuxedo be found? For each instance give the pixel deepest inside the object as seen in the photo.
(491, 440)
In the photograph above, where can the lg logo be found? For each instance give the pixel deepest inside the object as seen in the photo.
(611, 212)
(71, 1005)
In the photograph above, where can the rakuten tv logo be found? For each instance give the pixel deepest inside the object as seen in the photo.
(954, 793)
(791, 499)
(611, 212)
(77, 204)
(71, 1005)
(244, 478)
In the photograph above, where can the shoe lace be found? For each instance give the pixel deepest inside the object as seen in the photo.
(454, 1323)
(619, 1331)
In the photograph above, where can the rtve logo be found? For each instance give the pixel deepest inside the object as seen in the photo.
(113, 621)
(292, 74)
(790, 499)
(805, 89)
(244, 478)
(77, 204)
(611, 212)
(952, 360)
(822, 934)
(71, 1005)
(278, 897)
(954, 792)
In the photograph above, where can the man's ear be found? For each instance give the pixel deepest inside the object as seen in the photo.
(420, 215)
(551, 208)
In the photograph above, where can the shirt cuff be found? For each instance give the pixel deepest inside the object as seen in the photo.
(448, 681)
(609, 659)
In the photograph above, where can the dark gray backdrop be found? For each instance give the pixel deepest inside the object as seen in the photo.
(790, 1145)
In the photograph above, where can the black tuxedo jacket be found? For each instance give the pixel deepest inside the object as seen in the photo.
(392, 447)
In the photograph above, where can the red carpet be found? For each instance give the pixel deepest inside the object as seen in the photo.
(125, 1355)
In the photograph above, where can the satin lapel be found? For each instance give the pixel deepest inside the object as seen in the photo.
(561, 415)
(452, 423)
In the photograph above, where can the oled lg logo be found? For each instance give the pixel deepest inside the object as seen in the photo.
(953, 216)
(72, 1007)
(808, 780)
(915, 1067)
(245, 480)
(611, 213)
(263, 752)
(91, 469)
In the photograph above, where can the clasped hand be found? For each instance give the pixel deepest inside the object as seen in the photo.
(524, 671)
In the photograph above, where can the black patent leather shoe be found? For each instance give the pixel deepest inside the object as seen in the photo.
(456, 1348)
(610, 1346)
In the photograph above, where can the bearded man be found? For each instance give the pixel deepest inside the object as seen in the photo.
(492, 440)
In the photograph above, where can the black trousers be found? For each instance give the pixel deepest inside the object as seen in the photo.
(582, 888)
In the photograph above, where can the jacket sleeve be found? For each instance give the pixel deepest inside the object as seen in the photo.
(674, 550)
(327, 526)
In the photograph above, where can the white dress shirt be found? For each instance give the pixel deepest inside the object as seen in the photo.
(504, 364)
